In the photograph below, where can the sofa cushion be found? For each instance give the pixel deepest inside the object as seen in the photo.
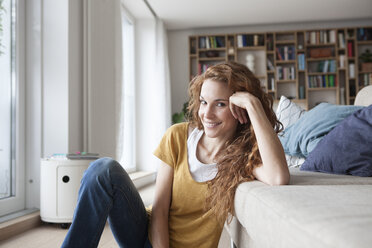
(301, 138)
(347, 149)
(331, 211)
(288, 113)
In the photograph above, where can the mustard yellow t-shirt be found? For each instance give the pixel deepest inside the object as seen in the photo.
(189, 224)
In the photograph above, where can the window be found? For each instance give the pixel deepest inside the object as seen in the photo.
(11, 112)
(128, 94)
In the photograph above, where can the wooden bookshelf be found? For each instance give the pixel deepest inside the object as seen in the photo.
(308, 66)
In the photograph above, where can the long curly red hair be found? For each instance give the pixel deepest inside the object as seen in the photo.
(240, 154)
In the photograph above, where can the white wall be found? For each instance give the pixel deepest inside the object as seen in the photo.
(178, 49)
(53, 85)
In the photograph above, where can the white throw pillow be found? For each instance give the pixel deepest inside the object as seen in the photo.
(288, 113)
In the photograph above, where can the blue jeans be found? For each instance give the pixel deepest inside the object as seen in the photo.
(106, 191)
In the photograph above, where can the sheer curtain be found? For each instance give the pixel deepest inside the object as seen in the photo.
(162, 76)
(159, 112)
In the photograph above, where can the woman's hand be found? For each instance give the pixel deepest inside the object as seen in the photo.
(239, 103)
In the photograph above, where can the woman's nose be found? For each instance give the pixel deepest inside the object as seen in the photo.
(209, 111)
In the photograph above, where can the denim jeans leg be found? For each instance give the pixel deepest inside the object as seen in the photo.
(106, 191)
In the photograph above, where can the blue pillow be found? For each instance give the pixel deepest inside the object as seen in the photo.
(301, 138)
(347, 149)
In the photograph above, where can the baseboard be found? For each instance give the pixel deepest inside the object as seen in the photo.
(19, 225)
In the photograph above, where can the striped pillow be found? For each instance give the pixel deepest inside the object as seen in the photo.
(288, 113)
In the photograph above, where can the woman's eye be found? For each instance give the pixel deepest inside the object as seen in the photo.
(221, 104)
(203, 102)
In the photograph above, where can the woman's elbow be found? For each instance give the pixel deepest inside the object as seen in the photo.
(282, 179)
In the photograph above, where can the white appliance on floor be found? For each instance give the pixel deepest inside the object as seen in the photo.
(59, 187)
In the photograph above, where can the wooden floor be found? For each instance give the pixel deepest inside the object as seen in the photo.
(52, 235)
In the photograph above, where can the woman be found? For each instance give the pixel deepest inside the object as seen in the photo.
(231, 137)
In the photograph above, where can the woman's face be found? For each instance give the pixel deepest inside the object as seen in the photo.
(214, 111)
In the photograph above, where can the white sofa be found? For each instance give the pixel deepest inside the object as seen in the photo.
(314, 210)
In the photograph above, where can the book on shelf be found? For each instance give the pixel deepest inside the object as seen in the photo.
(285, 52)
(326, 66)
(341, 40)
(255, 40)
(250, 41)
(272, 83)
(240, 40)
(322, 81)
(342, 61)
(364, 34)
(301, 61)
(350, 50)
(207, 42)
(366, 79)
(321, 37)
(332, 36)
(245, 40)
(270, 65)
(351, 70)
(285, 73)
(211, 42)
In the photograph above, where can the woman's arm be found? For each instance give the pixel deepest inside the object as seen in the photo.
(160, 208)
(274, 169)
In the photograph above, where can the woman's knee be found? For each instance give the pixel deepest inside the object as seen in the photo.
(102, 169)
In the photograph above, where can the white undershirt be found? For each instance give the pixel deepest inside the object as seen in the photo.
(200, 172)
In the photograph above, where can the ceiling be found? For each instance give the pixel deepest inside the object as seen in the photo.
(184, 14)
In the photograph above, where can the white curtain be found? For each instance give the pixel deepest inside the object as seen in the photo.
(157, 112)
(119, 87)
(162, 76)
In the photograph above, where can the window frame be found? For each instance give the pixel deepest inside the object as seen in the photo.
(17, 200)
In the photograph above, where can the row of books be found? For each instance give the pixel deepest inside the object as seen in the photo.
(211, 42)
(364, 34)
(285, 73)
(322, 81)
(286, 53)
(301, 61)
(321, 37)
(245, 40)
(365, 79)
(326, 66)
